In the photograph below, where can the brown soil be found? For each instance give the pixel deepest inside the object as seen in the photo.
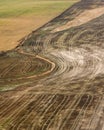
(13, 29)
(84, 17)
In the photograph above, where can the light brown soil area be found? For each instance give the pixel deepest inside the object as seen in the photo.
(84, 17)
(13, 29)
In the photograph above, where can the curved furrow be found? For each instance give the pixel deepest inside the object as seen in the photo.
(82, 120)
(17, 113)
(81, 109)
(69, 113)
(53, 120)
(5, 69)
(10, 105)
(8, 69)
(41, 113)
(22, 115)
(95, 113)
(47, 123)
(36, 115)
(25, 65)
(76, 64)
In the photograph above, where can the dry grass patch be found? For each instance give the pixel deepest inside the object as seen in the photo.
(24, 16)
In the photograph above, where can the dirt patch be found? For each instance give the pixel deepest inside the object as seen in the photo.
(84, 17)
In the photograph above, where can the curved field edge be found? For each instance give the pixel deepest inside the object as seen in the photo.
(17, 68)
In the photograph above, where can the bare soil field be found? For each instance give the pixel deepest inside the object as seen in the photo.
(84, 17)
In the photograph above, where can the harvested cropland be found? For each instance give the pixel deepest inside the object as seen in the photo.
(54, 78)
